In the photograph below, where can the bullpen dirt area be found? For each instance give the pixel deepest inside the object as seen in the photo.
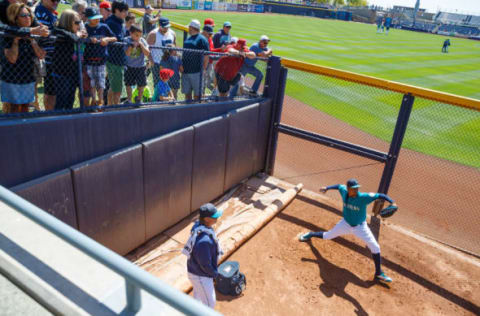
(287, 277)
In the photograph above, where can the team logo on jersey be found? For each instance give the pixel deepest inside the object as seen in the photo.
(353, 207)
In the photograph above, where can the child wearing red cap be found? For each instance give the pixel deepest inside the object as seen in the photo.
(162, 89)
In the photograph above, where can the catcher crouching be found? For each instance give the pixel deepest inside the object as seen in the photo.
(354, 220)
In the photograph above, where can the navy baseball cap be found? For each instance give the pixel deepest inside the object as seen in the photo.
(164, 22)
(209, 210)
(353, 183)
(208, 28)
(93, 13)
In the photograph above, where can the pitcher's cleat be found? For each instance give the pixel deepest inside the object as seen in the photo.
(305, 237)
(383, 277)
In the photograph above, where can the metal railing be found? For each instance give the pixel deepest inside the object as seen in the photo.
(135, 278)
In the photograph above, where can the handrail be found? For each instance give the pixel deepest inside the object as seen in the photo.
(135, 277)
(384, 84)
(456, 100)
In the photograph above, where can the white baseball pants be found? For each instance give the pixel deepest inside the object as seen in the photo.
(362, 231)
(203, 289)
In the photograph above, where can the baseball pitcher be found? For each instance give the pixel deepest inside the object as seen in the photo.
(354, 221)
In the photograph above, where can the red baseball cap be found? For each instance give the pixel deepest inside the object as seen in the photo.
(166, 73)
(209, 22)
(105, 5)
(242, 42)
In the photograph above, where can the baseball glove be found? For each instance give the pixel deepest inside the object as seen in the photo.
(388, 211)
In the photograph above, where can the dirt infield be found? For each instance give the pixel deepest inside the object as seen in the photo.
(437, 197)
(286, 277)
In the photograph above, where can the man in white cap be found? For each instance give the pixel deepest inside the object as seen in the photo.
(261, 50)
(160, 37)
(194, 63)
(149, 20)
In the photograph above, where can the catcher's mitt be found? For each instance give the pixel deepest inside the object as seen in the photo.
(388, 211)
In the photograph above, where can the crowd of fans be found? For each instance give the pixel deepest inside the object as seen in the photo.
(115, 53)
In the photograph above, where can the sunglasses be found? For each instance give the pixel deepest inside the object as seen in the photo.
(55, 1)
(24, 15)
(77, 22)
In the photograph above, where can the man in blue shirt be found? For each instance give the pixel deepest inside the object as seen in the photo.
(194, 63)
(222, 37)
(203, 252)
(46, 15)
(116, 53)
(261, 50)
(354, 221)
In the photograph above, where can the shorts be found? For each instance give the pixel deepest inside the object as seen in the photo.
(49, 82)
(224, 85)
(39, 69)
(115, 75)
(17, 93)
(191, 83)
(135, 76)
(97, 76)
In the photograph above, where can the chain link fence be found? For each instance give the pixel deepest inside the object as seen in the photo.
(93, 73)
(436, 179)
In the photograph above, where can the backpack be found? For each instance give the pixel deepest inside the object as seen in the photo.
(230, 281)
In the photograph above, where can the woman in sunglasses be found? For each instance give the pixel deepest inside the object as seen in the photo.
(65, 58)
(17, 79)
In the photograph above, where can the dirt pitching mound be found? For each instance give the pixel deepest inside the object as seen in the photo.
(286, 277)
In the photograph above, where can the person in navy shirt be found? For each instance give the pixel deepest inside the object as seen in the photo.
(95, 54)
(192, 61)
(45, 14)
(261, 50)
(203, 251)
(116, 54)
(222, 37)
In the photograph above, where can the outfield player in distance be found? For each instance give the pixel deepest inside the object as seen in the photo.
(354, 221)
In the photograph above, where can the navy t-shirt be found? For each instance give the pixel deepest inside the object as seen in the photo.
(48, 18)
(116, 52)
(95, 54)
(22, 71)
(191, 61)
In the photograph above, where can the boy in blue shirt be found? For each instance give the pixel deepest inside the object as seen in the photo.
(95, 53)
(162, 89)
(354, 221)
(136, 51)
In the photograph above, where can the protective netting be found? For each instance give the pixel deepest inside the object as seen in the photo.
(436, 179)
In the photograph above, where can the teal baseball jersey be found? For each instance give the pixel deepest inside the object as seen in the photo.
(355, 208)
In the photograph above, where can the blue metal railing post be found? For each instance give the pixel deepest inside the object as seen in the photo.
(80, 74)
(200, 92)
(395, 147)
(275, 90)
(134, 298)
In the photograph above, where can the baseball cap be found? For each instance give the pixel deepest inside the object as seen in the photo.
(242, 42)
(209, 210)
(164, 22)
(166, 73)
(148, 7)
(93, 13)
(105, 5)
(209, 22)
(234, 40)
(353, 183)
(208, 28)
(264, 38)
(227, 23)
(195, 24)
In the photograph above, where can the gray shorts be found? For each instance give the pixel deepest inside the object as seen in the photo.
(191, 83)
(97, 76)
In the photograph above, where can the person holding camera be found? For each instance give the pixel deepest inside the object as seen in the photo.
(149, 20)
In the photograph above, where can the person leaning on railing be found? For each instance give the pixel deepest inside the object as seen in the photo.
(170, 60)
(228, 67)
(5, 26)
(65, 58)
(17, 78)
(136, 51)
(261, 50)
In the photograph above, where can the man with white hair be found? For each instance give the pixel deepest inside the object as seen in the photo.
(193, 61)
(160, 37)
(261, 50)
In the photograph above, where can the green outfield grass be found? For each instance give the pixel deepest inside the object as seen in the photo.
(414, 58)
